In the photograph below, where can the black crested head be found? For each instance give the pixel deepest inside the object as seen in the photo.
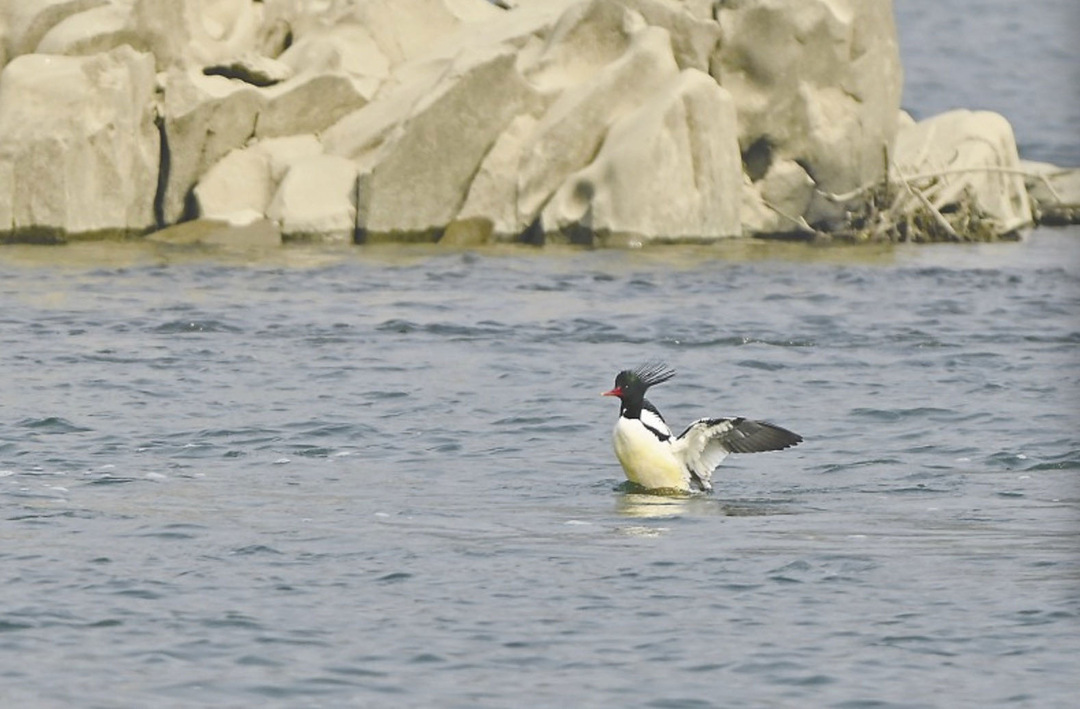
(631, 385)
(647, 375)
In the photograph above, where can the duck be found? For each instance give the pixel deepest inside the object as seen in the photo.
(655, 459)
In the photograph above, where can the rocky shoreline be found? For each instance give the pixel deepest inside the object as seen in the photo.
(596, 122)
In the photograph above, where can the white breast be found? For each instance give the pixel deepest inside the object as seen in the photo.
(646, 459)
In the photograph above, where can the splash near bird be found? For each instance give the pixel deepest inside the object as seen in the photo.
(654, 458)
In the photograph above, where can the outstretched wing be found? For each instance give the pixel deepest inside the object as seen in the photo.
(706, 442)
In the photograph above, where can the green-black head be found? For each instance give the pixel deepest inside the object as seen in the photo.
(632, 383)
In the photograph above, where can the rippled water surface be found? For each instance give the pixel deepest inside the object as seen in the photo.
(1021, 59)
(383, 477)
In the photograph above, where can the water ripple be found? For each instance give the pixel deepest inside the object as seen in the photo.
(182, 327)
(52, 425)
(369, 476)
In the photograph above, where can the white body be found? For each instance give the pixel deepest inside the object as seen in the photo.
(654, 458)
(647, 460)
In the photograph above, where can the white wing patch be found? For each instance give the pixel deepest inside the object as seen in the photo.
(701, 448)
(651, 417)
(706, 442)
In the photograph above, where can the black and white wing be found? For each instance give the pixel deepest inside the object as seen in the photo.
(650, 416)
(706, 442)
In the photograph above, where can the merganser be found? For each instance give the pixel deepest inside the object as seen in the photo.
(655, 459)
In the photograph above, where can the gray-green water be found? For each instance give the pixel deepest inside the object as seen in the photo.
(369, 478)
(383, 477)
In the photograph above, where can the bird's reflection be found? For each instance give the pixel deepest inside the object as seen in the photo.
(652, 505)
(670, 504)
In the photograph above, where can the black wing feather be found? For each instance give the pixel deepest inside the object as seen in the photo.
(746, 436)
(706, 442)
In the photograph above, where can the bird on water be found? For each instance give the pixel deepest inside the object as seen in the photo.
(654, 458)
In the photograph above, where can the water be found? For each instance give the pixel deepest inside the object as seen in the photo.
(383, 477)
(370, 477)
(1020, 59)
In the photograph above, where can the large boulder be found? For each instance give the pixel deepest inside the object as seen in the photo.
(28, 22)
(586, 36)
(815, 81)
(588, 120)
(291, 182)
(401, 30)
(405, 30)
(317, 200)
(92, 31)
(238, 189)
(780, 201)
(343, 48)
(79, 149)
(310, 102)
(257, 235)
(419, 147)
(694, 37)
(1054, 192)
(590, 63)
(526, 29)
(668, 170)
(197, 33)
(701, 9)
(963, 164)
(204, 118)
(571, 131)
(490, 210)
(571, 69)
(581, 36)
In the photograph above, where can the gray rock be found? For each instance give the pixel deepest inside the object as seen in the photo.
(345, 48)
(815, 81)
(78, 146)
(239, 188)
(257, 235)
(571, 131)
(1054, 192)
(668, 170)
(308, 103)
(197, 33)
(204, 118)
(418, 147)
(694, 37)
(29, 22)
(406, 30)
(95, 30)
(967, 160)
(601, 121)
(317, 200)
(586, 36)
(787, 190)
(490, 210)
